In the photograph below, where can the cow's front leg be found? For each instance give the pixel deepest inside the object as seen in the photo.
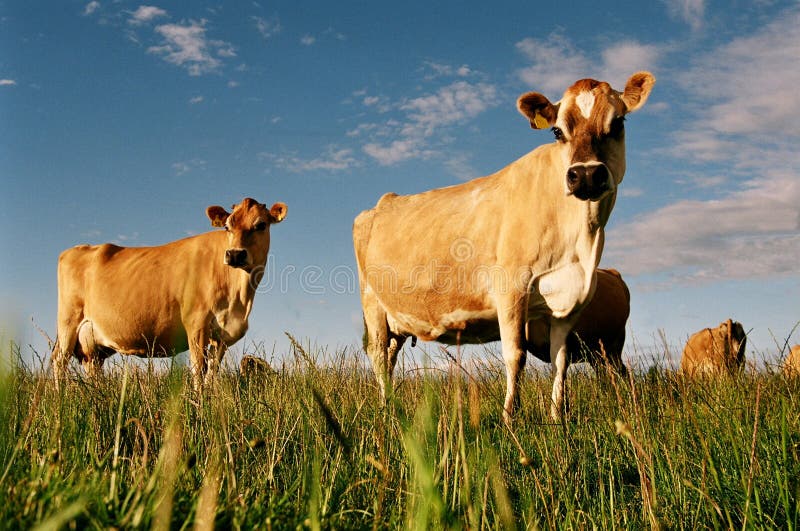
(198, 341)
(214, 353)
(511, 320)
(559, 358)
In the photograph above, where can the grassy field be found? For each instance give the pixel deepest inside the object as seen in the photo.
(311, 447)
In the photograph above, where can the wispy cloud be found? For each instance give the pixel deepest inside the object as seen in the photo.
(7, 82)
(739, 145)
(334, 159)
(436, 69)
(184, 167)
(752, 232)
(90, 8)
(750, 85)
(144, 14)
(689, 11)
(455, 103)
(196, 99)
(556, 63)
(310, 39)
(186, 45)
(267, 27)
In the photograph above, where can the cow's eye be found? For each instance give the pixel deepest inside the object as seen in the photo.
(260, 226)
(558, 133)
(617, 126)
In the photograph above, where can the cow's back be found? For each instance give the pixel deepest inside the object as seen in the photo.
(791, 365)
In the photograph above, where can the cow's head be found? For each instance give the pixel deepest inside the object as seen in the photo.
(248, 231)
(736, 341)
(588, 123)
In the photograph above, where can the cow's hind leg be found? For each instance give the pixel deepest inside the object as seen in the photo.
(66, 340)
(381, 345)
(91, 354)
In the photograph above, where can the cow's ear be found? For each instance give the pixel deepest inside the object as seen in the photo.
(278, 212)
(217, 215)
(538, 109)
(637, 89)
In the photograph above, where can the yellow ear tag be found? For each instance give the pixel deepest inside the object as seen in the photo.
(540, 121)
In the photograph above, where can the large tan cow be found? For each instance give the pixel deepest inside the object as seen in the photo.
(599, 335)
(715, 350)
(474, 262)
(791, 365)
(195, 293)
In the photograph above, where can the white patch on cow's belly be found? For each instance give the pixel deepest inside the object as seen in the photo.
(408, 324)
(563, 289)
(585, 102)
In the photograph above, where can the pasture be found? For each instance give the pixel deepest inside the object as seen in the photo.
(309, 446)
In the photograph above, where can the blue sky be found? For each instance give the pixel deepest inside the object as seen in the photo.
(121, 121)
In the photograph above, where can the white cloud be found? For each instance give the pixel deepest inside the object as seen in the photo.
(441, 69)
(397, 151)
(186, 45)
(334, 159)
(750, 85)
(197, 99)
(308, 40)
(621, 60)
(144, 14)
(267, 27)
(557, 63)
(751, 232)
(738, 141)
(7, 82)
(455, 103)
(184, 167)
(689, 11)
(90, 8)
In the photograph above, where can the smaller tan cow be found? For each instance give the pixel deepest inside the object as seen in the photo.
(254, 367)
(195, 293)
(791, 365)
(715, 351)
(599, 335)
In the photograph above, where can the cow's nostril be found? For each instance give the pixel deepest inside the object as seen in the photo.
(572, 176)
(235, 257)
(601, 176)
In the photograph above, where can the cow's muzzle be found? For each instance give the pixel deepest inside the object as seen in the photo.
(588, 182)
(236, 257)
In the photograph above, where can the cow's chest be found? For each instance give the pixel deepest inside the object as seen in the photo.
(561, 291)
(230, 324)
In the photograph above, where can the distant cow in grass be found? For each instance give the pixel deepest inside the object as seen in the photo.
(252, 367)
(599, 335)
(195, 293)
(715, 350)
(791, 365)
(475, 261)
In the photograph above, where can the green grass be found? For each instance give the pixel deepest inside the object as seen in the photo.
(311, 447)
